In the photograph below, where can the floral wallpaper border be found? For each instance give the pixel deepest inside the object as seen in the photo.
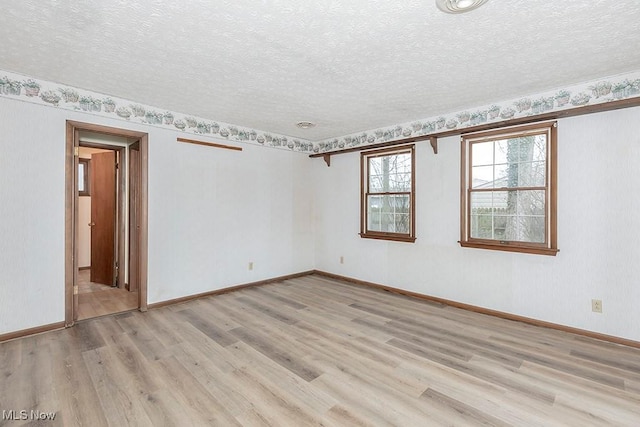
(16, 86)
(608, 89)
(600, 91)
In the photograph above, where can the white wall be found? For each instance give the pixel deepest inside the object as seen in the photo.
(211, 211)
(31, 216)
(598, 231)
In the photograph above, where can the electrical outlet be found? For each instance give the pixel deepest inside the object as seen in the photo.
(251, 265)
(596, 305)
(341, 260)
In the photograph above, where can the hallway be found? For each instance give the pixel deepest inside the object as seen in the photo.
(96, 300)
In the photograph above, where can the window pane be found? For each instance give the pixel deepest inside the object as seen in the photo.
(531, 229)
(540, 148)
(375, 183)
(500, 227)
(501, 151)
(399, 182)
(526, 148)
(531, 202)
(400, 163)
(375, 164)
(389, 213)
(517, 216)
(481, 224)
(489, 199)
(515, 162)
(532, 174)
(81, 174)
(486, 208)
(482, 153)
(390, 173)
(502, 172)
(375, 174)
(482, 176)
(520, 149)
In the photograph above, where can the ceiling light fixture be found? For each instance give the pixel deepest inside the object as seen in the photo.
(305, 125)
(459, 6)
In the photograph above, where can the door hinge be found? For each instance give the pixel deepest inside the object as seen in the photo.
(117, 166)
(75, 290)
(76, 151)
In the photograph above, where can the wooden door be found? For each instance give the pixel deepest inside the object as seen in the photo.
(134, 217)
(103, 217)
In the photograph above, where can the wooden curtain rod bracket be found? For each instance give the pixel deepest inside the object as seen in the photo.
(327, 159)
(434, 144)
(209, 144)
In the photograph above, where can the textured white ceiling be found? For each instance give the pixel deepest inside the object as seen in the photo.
(346, 65)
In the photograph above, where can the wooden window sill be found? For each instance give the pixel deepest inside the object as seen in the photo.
(536, 250)
(389, 236)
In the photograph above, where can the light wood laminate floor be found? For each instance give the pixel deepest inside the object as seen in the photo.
(314, 351)
(95, 299)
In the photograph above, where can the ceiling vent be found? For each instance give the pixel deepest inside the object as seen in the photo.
(305, 125)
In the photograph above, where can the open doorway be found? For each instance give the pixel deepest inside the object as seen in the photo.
(101, 239)
(106, 221)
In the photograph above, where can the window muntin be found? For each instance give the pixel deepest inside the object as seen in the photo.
(388, 194)
(508, 202)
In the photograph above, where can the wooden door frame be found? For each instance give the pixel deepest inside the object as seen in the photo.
(71, 171)
(133, 183)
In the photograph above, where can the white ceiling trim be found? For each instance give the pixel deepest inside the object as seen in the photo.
(608, 89)
(20, 87)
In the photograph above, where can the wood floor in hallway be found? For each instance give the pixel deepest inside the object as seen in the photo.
(316, 351)
(95, 299)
